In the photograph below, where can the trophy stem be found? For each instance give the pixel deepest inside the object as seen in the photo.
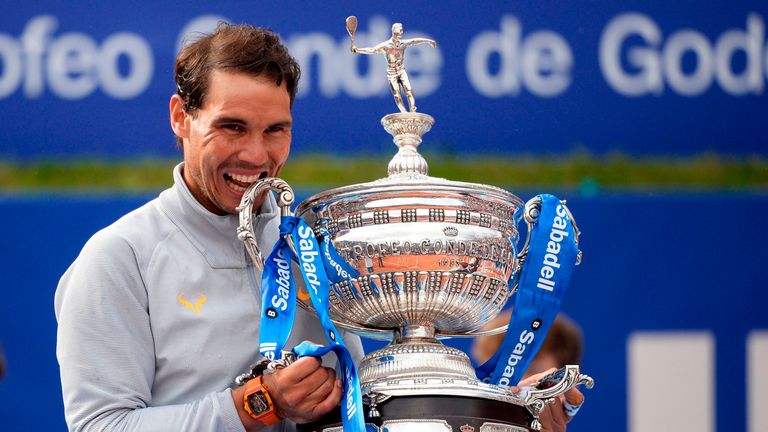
(411, 332)
(407, 129)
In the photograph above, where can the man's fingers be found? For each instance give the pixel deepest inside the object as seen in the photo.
(559, 419)
(572, 402)
(299, 370)
(533, 379)
(574, 396)
(330, 402)
(322, 384)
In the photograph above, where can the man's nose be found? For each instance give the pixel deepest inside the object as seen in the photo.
(254, 151)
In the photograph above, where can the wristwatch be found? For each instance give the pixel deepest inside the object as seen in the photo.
(258, 403)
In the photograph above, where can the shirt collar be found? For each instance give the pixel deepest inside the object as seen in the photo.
(214, 236)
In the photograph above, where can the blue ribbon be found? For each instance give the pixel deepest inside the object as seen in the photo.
(552, 255)
(313, 270)
(335, 266)
(278, 296)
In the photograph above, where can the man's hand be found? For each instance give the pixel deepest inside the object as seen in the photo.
(305, 390)
(553, 418)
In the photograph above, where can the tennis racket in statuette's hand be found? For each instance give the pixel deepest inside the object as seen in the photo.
(351, 29)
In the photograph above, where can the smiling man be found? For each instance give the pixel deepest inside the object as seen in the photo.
(160, 311)
(242, 135)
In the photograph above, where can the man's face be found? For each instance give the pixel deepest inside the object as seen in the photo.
(241, 134)
(397, 31)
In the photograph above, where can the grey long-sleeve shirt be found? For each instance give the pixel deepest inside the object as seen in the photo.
(159, 313)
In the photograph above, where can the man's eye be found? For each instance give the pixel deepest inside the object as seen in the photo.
(233, 127)
(273, 129)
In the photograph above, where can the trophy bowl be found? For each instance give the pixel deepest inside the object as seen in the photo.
(427, 254)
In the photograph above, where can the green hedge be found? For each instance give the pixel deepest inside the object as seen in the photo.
(580, 170)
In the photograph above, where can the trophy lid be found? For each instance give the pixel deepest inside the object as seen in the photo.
(408, 173)
(448, 243)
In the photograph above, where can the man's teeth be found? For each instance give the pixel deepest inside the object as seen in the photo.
(245, 178)
(235, 187)
(239, 182)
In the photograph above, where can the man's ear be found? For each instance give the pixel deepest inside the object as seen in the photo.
(179, 117)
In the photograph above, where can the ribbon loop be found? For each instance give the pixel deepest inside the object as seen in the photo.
(550, 253)
(287, 225)
(279, 305)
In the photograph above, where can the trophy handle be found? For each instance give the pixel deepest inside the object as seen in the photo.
(285, 198)
(531, 213)
(537, 399)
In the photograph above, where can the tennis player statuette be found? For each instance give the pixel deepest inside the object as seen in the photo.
(412, 259)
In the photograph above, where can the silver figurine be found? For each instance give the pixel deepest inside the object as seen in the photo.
(394, 51)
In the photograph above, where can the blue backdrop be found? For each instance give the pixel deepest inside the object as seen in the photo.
(94, 78)
(640, 273)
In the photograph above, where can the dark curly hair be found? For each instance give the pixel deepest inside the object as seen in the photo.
(237, 48)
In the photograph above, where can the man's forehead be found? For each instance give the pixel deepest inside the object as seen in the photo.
(236, 95)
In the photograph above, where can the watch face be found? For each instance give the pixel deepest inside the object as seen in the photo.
(258, 403)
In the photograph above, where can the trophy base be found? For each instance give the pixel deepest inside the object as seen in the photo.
(434, 414)
(422, 366)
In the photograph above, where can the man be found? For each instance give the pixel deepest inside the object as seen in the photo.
(394, 51)
(160, 312)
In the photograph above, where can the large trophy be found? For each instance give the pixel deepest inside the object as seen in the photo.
(416, 259)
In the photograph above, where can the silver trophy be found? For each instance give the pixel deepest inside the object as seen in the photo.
(431, 258)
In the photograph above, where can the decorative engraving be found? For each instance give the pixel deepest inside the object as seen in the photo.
(477, 283)
(467, 428)
(436, 215)
(463, 217)
(493, 288)
(503, 225)
(451, 231)
(381, 217)
(411, 281)
(408, 215)
(485, 220)
(355, 221)
(387, 286)
(457, 281)
(365, 287)
(346, 290)
(332, 227)
(433, 285)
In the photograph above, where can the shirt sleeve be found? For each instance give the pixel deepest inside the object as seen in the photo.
(106, 353)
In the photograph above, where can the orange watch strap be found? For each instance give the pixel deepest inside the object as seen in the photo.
(256, 387)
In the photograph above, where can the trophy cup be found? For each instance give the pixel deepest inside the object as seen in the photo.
(422, 258)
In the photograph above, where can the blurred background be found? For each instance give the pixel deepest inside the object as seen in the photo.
(648, 117)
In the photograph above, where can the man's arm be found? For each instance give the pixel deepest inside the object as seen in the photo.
(106, 352)
(417, 41)
(372, 50)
